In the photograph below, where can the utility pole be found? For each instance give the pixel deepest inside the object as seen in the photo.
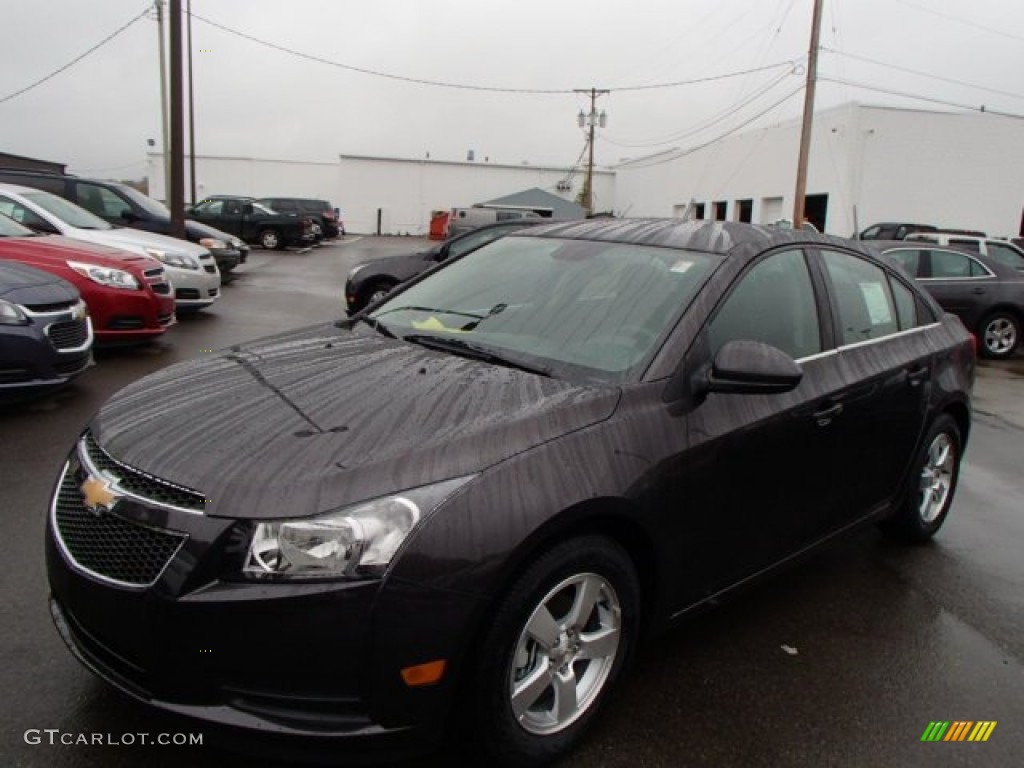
(176, 202)
(191, 111)
(163, 97)
(805, 131)
(592, 119)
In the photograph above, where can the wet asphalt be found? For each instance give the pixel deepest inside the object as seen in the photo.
(842, 660)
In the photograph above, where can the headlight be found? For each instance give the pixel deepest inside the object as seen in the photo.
(114, 278)
(213, 243)
(180, 260)
(235, 242)
(357, 541)
(11, 314)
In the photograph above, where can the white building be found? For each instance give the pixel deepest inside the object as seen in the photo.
(867, 164)
(398, 193)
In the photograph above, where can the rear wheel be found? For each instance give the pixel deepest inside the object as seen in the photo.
(1000, 335)
(559, 641)
(271, 239)
(931, 484)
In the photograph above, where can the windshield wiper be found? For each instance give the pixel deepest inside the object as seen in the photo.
(474, 351)
(377, 325)
(433, 309)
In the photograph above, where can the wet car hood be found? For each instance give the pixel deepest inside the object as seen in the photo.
(125, 237)
(317, 419)
(27, 286)
(57, 249)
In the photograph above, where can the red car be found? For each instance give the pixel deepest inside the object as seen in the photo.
(129, 296)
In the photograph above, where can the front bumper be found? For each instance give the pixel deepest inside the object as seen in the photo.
(316, 660)
(195, 288)
(53, 349)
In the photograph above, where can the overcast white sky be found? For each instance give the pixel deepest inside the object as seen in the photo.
(254, 101)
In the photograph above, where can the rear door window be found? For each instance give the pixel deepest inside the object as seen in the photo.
(100, 200)
(863, 297)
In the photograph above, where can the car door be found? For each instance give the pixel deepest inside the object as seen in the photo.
(887, 368)
(756, 479)
(961, 284)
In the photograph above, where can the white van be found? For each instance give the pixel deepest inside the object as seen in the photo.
(464, 219)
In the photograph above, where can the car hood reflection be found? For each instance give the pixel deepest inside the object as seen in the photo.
(314, 420)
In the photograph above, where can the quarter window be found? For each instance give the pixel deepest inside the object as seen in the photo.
(865, 304)
(773, 303)
(906, 307)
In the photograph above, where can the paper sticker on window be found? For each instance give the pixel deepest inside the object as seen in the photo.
(681, 266)
(877, 303)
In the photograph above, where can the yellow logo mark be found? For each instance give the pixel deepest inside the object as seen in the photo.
(97, 496)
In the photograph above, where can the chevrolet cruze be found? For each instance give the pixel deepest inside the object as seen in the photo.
(468, 504)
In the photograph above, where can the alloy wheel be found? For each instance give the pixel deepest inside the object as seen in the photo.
(937, 477)
(565, 653)
(1000, 336)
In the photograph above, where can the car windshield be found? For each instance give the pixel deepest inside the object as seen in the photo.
(10, 228)
(68, 212)
(577, 309)
(144, 202)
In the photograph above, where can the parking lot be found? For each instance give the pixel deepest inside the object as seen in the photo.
(843, 660)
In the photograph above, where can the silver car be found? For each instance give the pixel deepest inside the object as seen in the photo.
(191, 268)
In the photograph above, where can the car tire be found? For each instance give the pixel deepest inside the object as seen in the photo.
(930, 486)
(271, 240)
(376, 291)
(533, 698)
(999, 335)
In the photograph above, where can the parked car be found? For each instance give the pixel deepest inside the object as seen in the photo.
(252, 222)
(1000, 250)
(121, 205)
(191, 268)
(129, 296)
(893, 230)
(321, 212)
(985, 293)
(468, 504)
(45, 333)
(465, 219)
(372, 280)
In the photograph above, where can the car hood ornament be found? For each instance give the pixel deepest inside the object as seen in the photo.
(97, 495)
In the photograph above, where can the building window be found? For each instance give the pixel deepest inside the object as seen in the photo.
(744, 211)
(699, 211)
(720, 208)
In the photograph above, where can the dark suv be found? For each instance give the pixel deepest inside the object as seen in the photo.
(125, 206)
(323, 214)
(253, 222)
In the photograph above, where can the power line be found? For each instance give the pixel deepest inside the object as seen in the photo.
(467, 86)
(669, 156)
(75, 60)
(958, 20)
(922, 74)
(967, 107)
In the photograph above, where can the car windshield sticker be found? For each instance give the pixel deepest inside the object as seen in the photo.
(877, 303)
(681, 266)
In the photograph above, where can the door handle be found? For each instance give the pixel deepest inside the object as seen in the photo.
(916, 375)
(825, 415)
(978, 291)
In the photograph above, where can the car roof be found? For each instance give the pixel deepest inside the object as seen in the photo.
(20, 189)
(720, 237)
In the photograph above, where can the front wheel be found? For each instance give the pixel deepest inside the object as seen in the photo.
(559, 641)
(271, 239)
(1000, 335)
(932, 484)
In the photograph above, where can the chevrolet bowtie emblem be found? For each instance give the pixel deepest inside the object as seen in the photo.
(97, 495)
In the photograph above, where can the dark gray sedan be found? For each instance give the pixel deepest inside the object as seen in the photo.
(985, 293)
(45, 333)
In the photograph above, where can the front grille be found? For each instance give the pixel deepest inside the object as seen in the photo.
(161, 288)
(108, 546)
(187, 294)
(44, 309)
(211, 268)
(73, 365)
(142, 484)
(70, 334)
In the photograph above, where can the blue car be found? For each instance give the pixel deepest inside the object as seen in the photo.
(45, 332)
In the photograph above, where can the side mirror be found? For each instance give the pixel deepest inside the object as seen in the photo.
(440, 254)
(751, 368)
(42, 225)
(247, 209)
